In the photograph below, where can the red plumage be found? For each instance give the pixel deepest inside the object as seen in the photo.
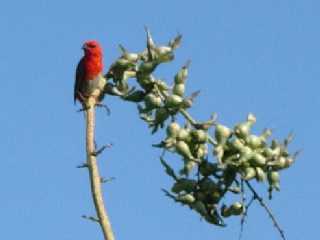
(89, 73)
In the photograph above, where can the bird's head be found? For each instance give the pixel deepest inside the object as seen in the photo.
(92, 48)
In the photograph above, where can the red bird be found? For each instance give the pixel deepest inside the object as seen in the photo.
(89, 74)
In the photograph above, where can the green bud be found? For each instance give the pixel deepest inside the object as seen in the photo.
(200, 208)
(246, 154)
(289, 162)
(225, 211)
(164, 53)
(179, 89)
(186, 199)
(187, 103)
(183, 149)
(258, 159)
(162, 85)
(202, 151)
(145, 80)
(242, 130)
(272, 153)
(131, 57)
(249, 173)
(236, 209)
(258, 141)
(199, 136)
(274, 180)
(147, 67)
(184, 135)
(182, 75)
(254, 141)
(123, 63)
(173, 130)
(163, 50)
(169, 143)
(266, 134)
(215, 196)
(251, 118)
(222, 133)
(238, 144)
(173, 101)
(161, 115)
(218, 151)
(152, 101)
(245, 164)
(188, 166)
(175, 42)
(214, 219)
(280, 163)
(260, 174)
(234, 189)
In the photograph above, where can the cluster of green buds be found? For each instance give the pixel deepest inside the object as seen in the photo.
(201, 194)
(190, 143)
(241, 156)
(158, 101)
(212, 165)
(251, 155)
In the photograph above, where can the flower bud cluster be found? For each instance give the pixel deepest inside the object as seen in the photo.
(241, 156)
(237, 154)
(157, 100)
(191, 144)
(251, 155)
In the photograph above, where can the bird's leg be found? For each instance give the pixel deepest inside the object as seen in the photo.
(85, 108)
(82, 99)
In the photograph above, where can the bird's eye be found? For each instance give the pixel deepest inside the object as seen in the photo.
(92, 46)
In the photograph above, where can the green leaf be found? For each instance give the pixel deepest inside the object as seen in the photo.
(169, 170)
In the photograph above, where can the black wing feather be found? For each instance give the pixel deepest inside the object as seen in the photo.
(79, 79)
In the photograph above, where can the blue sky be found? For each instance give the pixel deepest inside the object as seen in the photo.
(247, 56)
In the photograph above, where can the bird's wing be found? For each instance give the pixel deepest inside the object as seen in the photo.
(79, 79)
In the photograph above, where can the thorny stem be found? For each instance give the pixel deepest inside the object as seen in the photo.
(95, 179)
(256, 196)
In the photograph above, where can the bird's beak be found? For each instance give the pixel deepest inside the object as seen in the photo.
(84, 47)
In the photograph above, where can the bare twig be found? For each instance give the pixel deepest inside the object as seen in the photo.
(244, 212)
(95, 178)
(106, 180)
(91, 218)
(84, 165)
(268, 210)
(100, 150)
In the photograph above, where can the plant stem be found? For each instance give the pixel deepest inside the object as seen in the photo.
(95, 179)
(193, 122)
(268, 210)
